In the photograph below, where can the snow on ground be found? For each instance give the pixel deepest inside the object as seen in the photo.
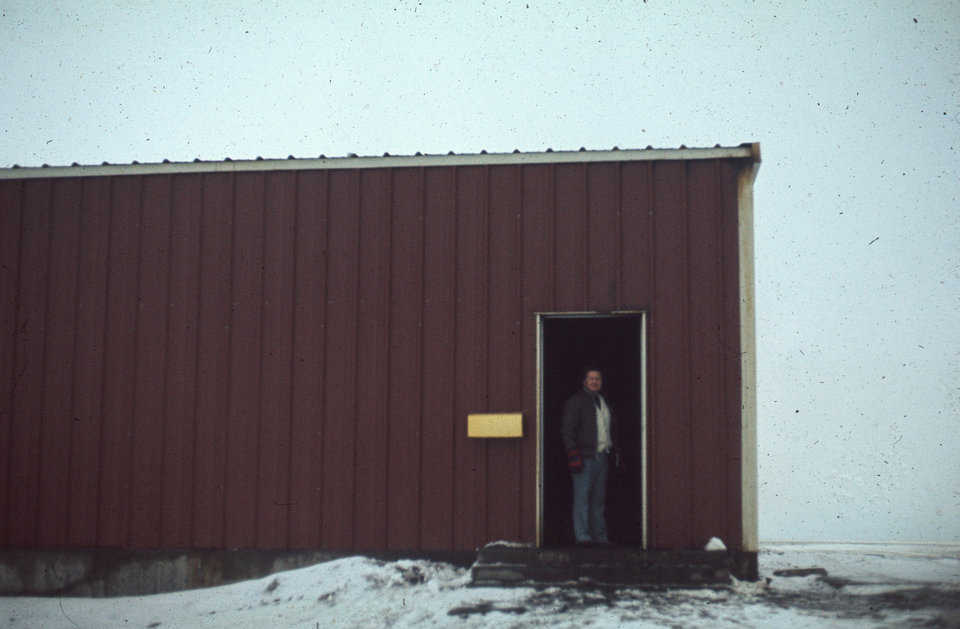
(887, 585)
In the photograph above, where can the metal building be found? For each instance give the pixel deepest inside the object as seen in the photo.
(283, 354)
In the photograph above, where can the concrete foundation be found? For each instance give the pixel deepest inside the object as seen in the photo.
(117, 572)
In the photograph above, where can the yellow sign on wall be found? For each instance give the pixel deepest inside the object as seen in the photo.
(494, 425)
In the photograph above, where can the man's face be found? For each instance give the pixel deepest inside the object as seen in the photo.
(593, 381)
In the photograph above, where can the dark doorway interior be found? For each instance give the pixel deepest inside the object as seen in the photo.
(614, 343)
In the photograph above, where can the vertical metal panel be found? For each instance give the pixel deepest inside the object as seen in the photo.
(33, 324)
(273, 442)
(370, 497)
(537, 228)
(148, 425)
(119, 404)
(438, 382)
(89, 362)
(470, 473)
(340, 397)
(504, 364)
(670, 430)
(181, 362)
(213, 361)
(10, 242)
(636, 236)
(58, 364)
(603, 236)
(709, 446)
(246, 325)
(402, 463)
(309, 324)
(571, 229)
(28, 383)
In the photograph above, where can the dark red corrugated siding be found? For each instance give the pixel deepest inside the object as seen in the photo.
(287, 359)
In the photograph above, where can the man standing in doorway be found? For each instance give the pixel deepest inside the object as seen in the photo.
(587, 430)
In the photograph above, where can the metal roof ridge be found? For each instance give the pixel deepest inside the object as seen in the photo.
(352, 160)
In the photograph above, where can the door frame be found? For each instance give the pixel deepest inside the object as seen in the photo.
(540, 318)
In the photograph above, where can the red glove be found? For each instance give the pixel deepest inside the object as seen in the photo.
(574, 461)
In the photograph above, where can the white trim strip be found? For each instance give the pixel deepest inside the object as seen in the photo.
(644, 440)
(748, 363)
(744, 151)
(539, 424)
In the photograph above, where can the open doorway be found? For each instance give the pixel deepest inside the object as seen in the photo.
(615, 343)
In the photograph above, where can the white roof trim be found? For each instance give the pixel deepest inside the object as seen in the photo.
(744, 151)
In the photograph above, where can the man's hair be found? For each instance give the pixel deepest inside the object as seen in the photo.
(588, 369)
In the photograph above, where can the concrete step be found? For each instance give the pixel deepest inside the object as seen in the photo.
(507, 563)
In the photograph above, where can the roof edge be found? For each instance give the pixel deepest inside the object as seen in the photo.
(750, 151)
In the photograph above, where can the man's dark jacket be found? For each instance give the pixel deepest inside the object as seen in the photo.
(579, 427)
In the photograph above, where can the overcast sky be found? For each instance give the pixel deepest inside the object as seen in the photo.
(856, 106)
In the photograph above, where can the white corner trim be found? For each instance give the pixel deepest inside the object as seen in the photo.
(748, 360)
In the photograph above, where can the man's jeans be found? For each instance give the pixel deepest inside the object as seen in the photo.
(589, 498)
